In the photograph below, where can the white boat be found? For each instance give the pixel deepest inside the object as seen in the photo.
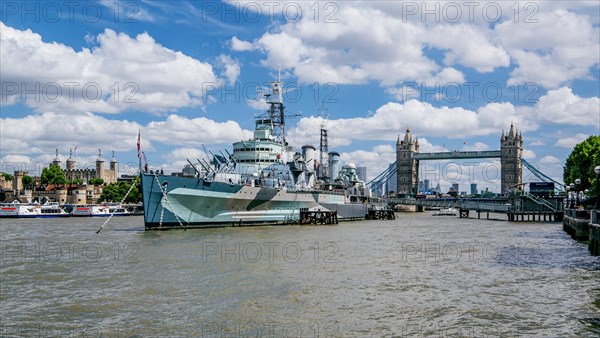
(445, 212)
(52, 209)
(31, 210)
(99, 210)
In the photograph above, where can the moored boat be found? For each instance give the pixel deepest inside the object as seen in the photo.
(445, 212)
(31, 210)
(100, 210)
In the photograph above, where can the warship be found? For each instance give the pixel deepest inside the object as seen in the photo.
(263, 181)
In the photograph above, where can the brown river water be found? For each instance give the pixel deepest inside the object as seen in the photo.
(416, 276)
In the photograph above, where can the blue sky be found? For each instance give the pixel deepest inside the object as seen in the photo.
(187, 73)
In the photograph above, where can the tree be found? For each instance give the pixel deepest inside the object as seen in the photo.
(115, 192)
(96, 181)
(27, 182)
(7, 176)
(77, 181)
(581, 163)
(53, 175)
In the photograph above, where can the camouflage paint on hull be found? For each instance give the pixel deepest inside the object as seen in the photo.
(199, 203)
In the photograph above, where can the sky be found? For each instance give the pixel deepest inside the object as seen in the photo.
(84, 76)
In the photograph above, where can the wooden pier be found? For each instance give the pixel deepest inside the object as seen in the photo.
(318, 217)
(533, 216)
(385, 214)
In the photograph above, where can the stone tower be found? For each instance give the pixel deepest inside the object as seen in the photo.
(56, 160)
(511, 149)
(99, 165)
(70, 161)
(113, 163)
(407, 167)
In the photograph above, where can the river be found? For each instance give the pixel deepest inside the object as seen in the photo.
(417, 275)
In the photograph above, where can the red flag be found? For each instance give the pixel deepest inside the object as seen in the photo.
(138, 144)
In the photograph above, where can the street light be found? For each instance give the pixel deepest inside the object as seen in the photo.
(597, 171)
(577, 184)
(567, 188)
(572, 186)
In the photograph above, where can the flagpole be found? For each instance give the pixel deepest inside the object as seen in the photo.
(139, 149)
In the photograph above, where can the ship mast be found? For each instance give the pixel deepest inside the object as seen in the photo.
(276, 110)
(324, 148)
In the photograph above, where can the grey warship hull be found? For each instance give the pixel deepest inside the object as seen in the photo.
(182, 202)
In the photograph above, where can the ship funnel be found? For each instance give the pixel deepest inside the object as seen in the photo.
(334, 160)
(310, 157)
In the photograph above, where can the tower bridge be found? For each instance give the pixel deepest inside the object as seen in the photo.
(517, 204)
(408, 157)
(449, 155)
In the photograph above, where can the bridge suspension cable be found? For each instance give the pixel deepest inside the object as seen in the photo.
(543, 177)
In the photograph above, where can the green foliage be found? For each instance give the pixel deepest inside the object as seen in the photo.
(7, 176)
(78, 181)
(27, 182)
(96, 181)
(581, 163)
(115, 192)
(53, 175)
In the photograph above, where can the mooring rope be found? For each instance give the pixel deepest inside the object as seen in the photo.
(164, 193)
(122, 201)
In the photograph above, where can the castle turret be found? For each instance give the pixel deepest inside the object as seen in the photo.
(511, 149)
(113, 163)
(407, 167)
(99, 165)
(56, 160)
(70, 161)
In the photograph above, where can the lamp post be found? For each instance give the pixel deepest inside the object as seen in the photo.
(572, 186)
(597, 171)
(577, 185)
(568, 204)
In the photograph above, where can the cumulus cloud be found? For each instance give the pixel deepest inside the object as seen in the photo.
(549, 160)
(231, 68)
(423, 118)
(41, 134)
(378, 41)
(560, 47)
(240, 45)
(571, 141)
(467, 45)
(44, 132)
(563, 107)
(120, 73)
(195, 131)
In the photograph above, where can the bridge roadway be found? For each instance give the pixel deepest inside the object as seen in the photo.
(499, 205)
(450, 155)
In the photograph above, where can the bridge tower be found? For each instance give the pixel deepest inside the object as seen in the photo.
(407, 166)
(511, 149)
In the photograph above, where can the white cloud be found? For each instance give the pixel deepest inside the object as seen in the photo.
(477, 146)
(549, 159)
(241, 45)
(120, 73)
(560, 47)
(376, 160)
(41, 134)
(537, 143)
(468, 46)
(563, 107)
(44, 132)
(377, 41)
(232, 68)
(528, 154)
(195, 131)
(571, 141)
(423, 118)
